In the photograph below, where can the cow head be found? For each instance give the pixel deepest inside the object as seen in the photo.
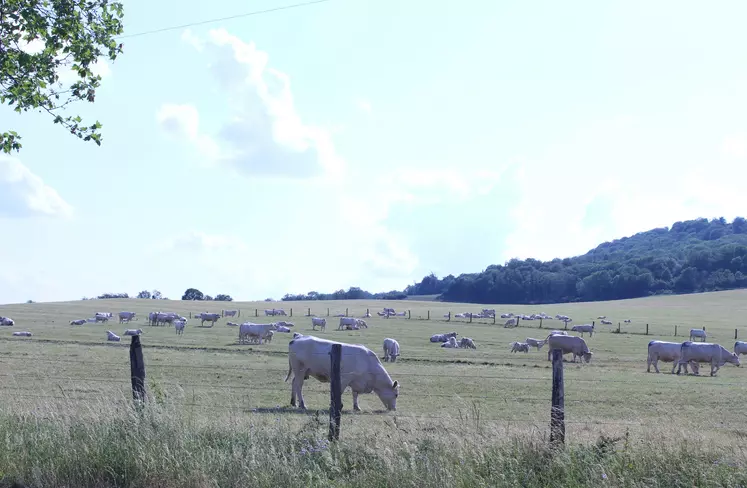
(388, 396)
(734, 359)
(587, 356)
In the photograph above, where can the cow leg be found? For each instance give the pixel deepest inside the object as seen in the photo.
(355, 401)
(298, 385)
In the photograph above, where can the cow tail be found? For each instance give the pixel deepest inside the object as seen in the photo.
(290, 368)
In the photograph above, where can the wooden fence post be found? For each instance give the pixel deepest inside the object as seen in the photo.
(646, 329)
(540, 322)
(327, 311)
(409, 316)
(190, 315)
(494, 319)
(735, 334)
(429, 316)
(238, 313)
(346, 312)
(256, 312)
(291, 311)
(557, 409)
(335, 391)
(137, 371)
(564, 328)
(618, 327)
(470, 318)
(308, 313)
(675, 331)
(222, 313)
(449, 318)
(368, 312)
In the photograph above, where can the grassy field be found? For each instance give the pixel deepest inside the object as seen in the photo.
(468, 398)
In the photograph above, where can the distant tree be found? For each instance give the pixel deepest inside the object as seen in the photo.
(106, 296)
(269, 300)
(29, 301)
(221, 297)
(193, 294)
(70, 33)
(156, 295)
(208, 298)
(144, 294)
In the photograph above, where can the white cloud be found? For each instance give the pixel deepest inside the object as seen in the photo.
(364, 105)
(24, 194)
(197, 241)
(265, 135)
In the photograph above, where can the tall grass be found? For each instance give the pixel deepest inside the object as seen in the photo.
(166, 446)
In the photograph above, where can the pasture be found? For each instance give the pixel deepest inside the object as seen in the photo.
(206, 378)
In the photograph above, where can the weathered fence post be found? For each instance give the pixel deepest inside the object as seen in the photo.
(335, 391)
(735, 334)
(646, 329)
(618, 327)
(346, 312)
(565, 327)
(704, 328)
(409, 316)
(470, 318)
(238, 313)
(327, 311)
(540, 321)
(494, 319)
(368, 312)
(557, 410)
(190, 315)
(429, 316)
(449, 318)
(137, 371)
(675, 331)
(256, 312)
(291, 311)
(222, 313)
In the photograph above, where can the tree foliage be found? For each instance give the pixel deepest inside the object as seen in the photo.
(222, 297)
(70, 34)
(144, 294)
(691, 256)
(353, 293)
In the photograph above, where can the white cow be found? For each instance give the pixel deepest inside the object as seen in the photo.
(22, 333)
(133, 332)
(705, 352)
(111, 336)
(538, 343)
(281, 328)
(7, 321)
(606, 322)
(108, 315)
(568, 344)
(510, 323)
(78, 322)
(351, 323)
(126, 317)
(101, 318)
(584, 328)
(230, 313)
(232, 324)
(442, 337)
(519, 347)
(249, 331)
(451, 343)
(557, 332)
(179, 326)
(467, 342)
(667, 352)
(698, 333)
(740, 347)
(209, 317)
(268, 335)
(391, 349)
(360, 369)
(367, 314)
(318, 322)
(296, 335)
(283, 323)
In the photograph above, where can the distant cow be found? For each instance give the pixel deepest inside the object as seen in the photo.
(78, 322)
(443, 337)
(584, 328)
(179, 326)
(318, 322)
(703, 352)
(667, 352)
(519, 347)
(22, 333)
(209, 317)
(133, 332)
(126, 317)
(391, 349)
(557, 332)
(101, 318)
(249, 332)
(451, 343)
(511, 323)
(698, 333)
(467, 342)
(348, 323)
(569, 344)
(230, 313)
(538, 343)
(740, 347)
(111, 336)
(7, 321)
(606, 322)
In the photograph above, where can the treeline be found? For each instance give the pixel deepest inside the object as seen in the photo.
(353, 293)
(691, 256)
(190, 294)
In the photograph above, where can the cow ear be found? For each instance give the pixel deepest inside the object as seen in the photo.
(395, 384)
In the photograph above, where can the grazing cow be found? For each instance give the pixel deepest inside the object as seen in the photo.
(351, 323)
(7, 321)
(179, 326)
(705, 352)
(268, 335)
(451, 343)
(538, 343)
(101, 318)
(22, 333)
(519, 347)
(698, 333)
(230, 313)
(158, 318)
(282, 328)
(467, 342)
(391, 349)
(108, 315)
(209, 317)
(249, 331)
(584, 328)
(740, 347)
(510, 323)
(667, 352)
(111, 336)
(78, 322)
(360, 369)
(280, 312)
(133, 332)
(568, 344)
(442, 337)
(488, 312)
(126, 317)
(318, 322)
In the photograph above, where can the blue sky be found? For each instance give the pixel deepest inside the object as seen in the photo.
(368, 143)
